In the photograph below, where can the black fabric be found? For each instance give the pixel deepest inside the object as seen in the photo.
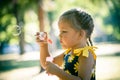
(69, 66)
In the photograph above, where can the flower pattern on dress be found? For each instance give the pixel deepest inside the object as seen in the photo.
(76, 66)
(71, 62)
(67, 71)
(71, 58)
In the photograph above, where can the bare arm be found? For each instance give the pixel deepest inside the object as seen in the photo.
(55, 70)
(85, 67)
(43, 54)
(65, 76)
(41, 39)
(59, 59)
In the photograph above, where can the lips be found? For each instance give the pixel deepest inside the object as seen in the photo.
(61, 41)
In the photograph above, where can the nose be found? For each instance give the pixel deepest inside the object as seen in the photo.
(60, 35)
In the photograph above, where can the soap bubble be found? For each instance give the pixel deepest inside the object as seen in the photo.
(42, 35)
(16, 30)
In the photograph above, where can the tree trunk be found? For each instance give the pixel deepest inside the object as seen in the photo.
(21, 36)
(41, 16)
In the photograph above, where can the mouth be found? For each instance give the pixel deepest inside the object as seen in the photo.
(61, 41)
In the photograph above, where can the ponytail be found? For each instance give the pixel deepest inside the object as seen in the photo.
(89, 42)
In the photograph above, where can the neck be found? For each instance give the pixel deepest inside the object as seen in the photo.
(79, 46)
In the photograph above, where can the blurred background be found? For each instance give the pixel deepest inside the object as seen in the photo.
(21, 19)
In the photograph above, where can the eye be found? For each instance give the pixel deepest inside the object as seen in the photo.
(63, 32)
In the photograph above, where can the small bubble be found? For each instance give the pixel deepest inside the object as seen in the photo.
(16, 30)
(42, 35)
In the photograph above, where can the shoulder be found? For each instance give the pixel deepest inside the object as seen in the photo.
(85, 66)
(88, 53)
(86, 60)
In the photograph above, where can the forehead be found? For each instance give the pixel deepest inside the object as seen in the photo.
(64, 24)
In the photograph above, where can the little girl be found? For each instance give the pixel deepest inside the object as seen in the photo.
(79, 60)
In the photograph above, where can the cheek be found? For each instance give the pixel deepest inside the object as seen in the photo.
(74, 39)
(68, 40)
(65, 40)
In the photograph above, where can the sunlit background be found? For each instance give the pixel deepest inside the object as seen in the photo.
(21, 19)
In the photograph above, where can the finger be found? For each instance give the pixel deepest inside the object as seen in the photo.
(37, 33)
(48, 62)
(37, 39)
(47, 73)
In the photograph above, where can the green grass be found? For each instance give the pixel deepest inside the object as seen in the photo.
(13, 64)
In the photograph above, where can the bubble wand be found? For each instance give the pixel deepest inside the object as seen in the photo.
(42, 36)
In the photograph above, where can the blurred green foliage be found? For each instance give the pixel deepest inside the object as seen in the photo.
(113, 17)
(11, 14)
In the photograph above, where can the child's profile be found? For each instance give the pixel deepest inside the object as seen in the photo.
(78, 62)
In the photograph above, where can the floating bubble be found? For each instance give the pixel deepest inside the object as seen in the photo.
(16, 30)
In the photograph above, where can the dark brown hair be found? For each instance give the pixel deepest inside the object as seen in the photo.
(79, 20)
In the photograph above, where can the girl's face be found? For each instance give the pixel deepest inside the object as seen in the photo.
(69, 37)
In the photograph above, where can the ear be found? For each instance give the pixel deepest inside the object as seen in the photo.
(82, 33)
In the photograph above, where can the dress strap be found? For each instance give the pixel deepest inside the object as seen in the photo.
(67, 51)
(84, 51)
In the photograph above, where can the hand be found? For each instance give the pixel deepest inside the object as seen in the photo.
(41, 38)
(51, 68)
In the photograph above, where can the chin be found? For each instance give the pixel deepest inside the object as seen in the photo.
(64, 47)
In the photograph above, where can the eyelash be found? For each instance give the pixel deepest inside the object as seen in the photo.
(63, 31)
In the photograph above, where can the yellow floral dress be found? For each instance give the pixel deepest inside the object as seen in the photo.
(71, 63)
